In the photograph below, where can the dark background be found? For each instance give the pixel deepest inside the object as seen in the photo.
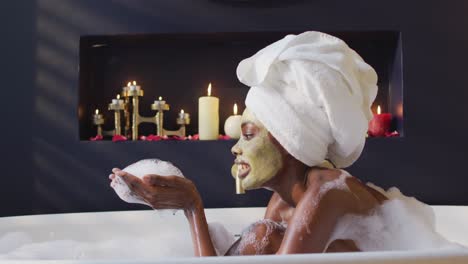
(46, 169)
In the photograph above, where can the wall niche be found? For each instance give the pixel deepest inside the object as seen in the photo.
(179, 67)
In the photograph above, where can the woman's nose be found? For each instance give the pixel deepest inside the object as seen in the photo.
(236, 150)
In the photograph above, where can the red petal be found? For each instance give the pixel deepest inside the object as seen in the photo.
(224, 137)
(117, 138)
(153, 138)
(392, 134)
(96, 138)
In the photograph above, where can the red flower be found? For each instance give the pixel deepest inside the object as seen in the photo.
(195, 137)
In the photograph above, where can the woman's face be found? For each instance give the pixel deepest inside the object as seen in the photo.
(258, 159)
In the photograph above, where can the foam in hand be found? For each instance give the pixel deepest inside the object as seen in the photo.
(140, 169)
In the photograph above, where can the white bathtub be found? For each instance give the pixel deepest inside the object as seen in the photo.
(452, 222)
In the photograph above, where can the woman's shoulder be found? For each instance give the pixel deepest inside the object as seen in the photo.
(319, 176)
(323, 180)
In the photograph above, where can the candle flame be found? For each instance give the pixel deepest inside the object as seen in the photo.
(235, 109)
(209, 89)
(378, 110)
(118, 96)
(181, 111)
(129, 83)
(97, 111)
(160, 98)
(134, 82)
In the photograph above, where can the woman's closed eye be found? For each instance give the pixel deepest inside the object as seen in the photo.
(248, 136)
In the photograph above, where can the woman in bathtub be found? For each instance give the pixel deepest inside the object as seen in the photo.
(308, 105)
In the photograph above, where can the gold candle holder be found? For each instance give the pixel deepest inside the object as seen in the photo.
(117, 105)
(98, 120)
(131, 93)
(130, 105)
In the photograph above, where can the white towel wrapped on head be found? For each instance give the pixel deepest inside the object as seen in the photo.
(313, 93)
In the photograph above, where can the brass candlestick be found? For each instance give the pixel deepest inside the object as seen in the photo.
(98, 120)
(126, 110)
(117, 105)
(133, 91)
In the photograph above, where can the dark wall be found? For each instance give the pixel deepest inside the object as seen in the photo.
(46, 169)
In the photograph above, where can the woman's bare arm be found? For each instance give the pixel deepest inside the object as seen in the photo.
(201, 239)
(314, 220)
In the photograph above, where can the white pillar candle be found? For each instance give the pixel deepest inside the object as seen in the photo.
(232, 126)
(208, 116)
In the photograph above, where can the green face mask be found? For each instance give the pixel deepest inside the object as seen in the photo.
(257, 158)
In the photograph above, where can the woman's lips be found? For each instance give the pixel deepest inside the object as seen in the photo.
(244, 169)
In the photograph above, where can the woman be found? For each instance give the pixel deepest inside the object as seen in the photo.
(309, 102)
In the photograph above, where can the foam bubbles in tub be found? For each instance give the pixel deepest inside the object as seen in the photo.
(174, 244)
(400, 223)
(170, 241)
(13, 240)
(140, 169)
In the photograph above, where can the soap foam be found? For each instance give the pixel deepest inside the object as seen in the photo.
(140, 169)
(249, 238)
(165, 245)
(400, 223)
(170, 242)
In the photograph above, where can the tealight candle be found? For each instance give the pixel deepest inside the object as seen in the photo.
(208, 116)
(98, 119)
(117, 101)
(132, 86)
(182, 114)
(232, 126)
(380, 124)
(160, 102)
(183, 118)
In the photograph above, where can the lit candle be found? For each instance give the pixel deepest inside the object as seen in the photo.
(98, 119)
(117, 101)
(380, 124)
(160, 102)
(132, 86)
(182, 114)
(208, 116)
(184, 118)
(232, 126)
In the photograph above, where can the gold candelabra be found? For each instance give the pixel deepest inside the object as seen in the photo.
(131, 105)
(98, 120)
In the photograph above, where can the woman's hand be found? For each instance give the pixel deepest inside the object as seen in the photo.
(162, 192)
(173, 192)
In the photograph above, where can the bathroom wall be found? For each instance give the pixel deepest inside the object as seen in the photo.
(46, 169)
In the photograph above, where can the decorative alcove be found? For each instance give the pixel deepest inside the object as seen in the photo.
(179, 67)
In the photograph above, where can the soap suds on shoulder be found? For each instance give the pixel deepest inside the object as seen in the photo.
(338, 184)
(400, 223)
